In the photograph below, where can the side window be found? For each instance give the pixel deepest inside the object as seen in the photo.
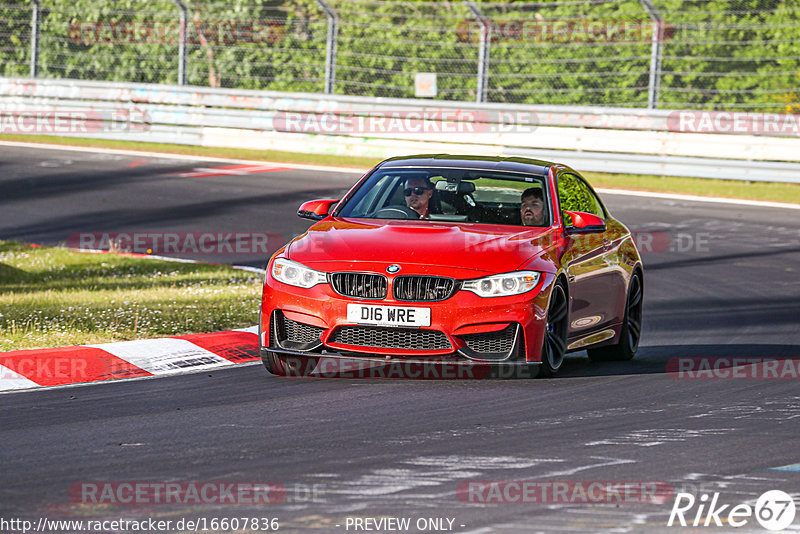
(374, 195)
(575, 195)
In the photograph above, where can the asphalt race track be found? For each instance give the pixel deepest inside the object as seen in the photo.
(723, 282)
(48, 196)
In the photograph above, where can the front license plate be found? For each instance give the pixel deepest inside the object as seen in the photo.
(388, 315)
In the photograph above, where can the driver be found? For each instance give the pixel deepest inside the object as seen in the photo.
(532, 208)
(418, 192)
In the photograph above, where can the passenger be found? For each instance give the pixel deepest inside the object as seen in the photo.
(532, 208)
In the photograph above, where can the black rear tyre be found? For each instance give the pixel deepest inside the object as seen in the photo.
(631, 332)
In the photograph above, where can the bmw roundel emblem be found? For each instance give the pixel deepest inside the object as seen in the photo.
(394, 268)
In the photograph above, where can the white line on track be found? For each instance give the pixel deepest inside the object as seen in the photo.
(695, 198)
(142, 255)
(184, 157)
(324, 168)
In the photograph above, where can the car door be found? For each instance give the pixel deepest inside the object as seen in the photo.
(593, 301)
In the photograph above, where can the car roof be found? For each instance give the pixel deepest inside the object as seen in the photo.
(494, 163)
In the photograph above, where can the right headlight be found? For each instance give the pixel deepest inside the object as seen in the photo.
(296, 274)
(503, 285)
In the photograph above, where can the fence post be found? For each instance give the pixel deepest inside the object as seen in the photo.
(37, 8)
(330, 45)
(655, 53)
(483, 52)
(184, 17)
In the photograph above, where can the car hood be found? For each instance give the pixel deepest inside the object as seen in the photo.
(463, 246)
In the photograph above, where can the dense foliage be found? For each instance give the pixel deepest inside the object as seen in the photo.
(723, 54)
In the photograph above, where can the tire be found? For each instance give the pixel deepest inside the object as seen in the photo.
(269, 359)
(631, 332)
(555, 333)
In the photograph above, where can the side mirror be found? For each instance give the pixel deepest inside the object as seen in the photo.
(316, 210)
(585, 222)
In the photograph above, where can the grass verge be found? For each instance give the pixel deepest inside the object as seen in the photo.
(769, 191)
(51, 297)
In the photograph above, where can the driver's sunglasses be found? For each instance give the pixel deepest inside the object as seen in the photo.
(416, 190)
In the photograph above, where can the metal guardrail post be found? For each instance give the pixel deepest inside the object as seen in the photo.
(483, 52)
(330, 45)
(655, 53)
(37, 9)
(184, 17)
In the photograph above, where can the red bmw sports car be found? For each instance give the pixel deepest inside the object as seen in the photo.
(503, 263)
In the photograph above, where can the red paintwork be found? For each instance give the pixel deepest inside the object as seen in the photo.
(582, 220)
(321, 306)
(69, 365)
(318, 207)
(595, 268)
(485, 248)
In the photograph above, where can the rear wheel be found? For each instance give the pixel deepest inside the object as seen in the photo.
(555, 334)
(628, 343)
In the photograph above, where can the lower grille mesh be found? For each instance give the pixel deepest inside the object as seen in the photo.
(400, 338)
(300, 333)
(491, 342)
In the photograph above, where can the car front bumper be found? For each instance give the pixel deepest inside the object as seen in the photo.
(312, 323)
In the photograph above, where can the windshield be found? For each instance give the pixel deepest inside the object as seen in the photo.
(457, 195)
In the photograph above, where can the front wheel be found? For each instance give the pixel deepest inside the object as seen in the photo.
(555, 334)
(271, 364)
(628, 343)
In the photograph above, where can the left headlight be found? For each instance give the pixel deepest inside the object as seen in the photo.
(503, 285)
(296, 274)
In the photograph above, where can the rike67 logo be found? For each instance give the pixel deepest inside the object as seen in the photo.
(774, 510)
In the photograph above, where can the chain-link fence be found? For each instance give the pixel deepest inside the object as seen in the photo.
(732, 54)
(709, 54)
(15, 38)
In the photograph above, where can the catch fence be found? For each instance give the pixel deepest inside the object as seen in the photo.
(667, 54)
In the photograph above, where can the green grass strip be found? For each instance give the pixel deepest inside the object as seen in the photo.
(51, 297)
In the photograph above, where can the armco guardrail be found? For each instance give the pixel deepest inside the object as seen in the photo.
(745, 146)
